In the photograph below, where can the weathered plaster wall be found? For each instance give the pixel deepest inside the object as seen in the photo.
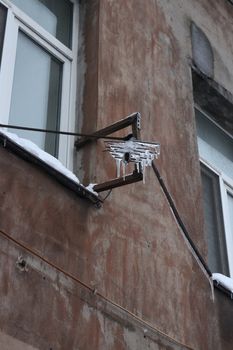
(146, 70)
(144, 65)
(87, 83)
(47, 305)
(137, 58)
(7, 342)
(89, 284)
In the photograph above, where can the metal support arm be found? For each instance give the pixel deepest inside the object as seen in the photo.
(133, 119)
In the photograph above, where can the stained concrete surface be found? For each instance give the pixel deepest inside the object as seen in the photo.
(137, 56)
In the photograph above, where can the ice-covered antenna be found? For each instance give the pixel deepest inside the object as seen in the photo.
(133, 151)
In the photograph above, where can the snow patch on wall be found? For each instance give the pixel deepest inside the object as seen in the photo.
(86, 312)
(132, 340)
(106, 330)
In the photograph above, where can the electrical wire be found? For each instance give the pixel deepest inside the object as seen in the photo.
(66, 273)
(169, 199)
(162, 184)
(60, 132)
(107, 195)
(192, 247)
(179, 220)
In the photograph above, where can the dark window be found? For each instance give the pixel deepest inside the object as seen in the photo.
(214, 228)
(3, 14)
(53, 15)
(216, 151)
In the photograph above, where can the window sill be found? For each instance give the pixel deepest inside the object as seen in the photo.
(223, 290)
(79, 189)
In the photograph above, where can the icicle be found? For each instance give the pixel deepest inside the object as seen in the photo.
(144, 175)
(123, 169)
(212, 287)
(143, 171)
(118, 165)
(137, 152)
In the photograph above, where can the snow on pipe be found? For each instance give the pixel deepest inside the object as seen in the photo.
(133, 151)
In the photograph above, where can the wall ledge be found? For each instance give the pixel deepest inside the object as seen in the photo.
(80, 190)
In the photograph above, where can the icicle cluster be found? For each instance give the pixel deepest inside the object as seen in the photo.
(140, 153)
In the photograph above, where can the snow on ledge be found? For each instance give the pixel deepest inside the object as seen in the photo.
(90, 188)
(39, 153)
(223, 280)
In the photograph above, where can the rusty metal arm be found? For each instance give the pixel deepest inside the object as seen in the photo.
(121, 181)
(133, 119)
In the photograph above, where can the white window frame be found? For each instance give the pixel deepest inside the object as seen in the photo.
(18, 20)
(225, 185)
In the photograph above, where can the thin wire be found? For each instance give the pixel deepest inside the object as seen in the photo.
(195, 252)
(162, 184)
(108, 194)
(33, 252)
(179, 220)
(61, 132)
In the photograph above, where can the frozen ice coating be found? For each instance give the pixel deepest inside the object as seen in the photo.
(118, 165)
(223, 280)
(140, 153)
(39, 153)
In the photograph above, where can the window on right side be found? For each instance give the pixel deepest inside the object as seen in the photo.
(215, 147)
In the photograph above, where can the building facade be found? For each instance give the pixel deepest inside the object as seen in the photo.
(130, 268)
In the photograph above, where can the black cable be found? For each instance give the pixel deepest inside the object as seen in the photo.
(108, 194)
(61, 132)
(179, 220)
(162, 184)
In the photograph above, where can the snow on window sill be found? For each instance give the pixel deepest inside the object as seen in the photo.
(224, 281)
(45, 157)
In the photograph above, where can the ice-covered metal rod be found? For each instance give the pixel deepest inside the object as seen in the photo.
(134, 151)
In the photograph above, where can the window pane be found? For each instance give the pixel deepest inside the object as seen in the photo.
(214, 145)
(3, 14)
(36, 90)
(53, 15)
(214, 231)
